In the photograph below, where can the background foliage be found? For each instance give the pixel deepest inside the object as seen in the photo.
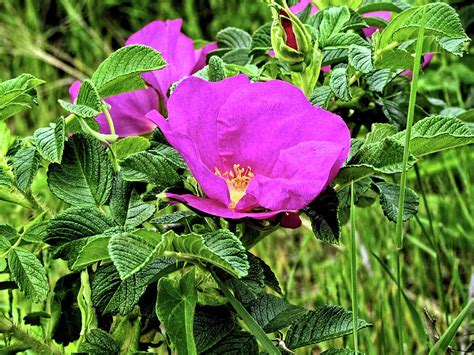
(60, 41)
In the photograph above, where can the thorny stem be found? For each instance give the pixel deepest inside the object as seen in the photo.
(31, 342)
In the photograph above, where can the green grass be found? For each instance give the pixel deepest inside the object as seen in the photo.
(65, 40)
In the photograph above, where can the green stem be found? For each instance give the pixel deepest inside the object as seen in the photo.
(29, 341)
(247, 318)
(403, 179)
(109, 120)
(355, 308)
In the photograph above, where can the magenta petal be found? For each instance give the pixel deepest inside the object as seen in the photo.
(215, 208)
(193, 109)
(260, 120)
(175, 47)
(212, 185)
(200, 55)
(299, 175)
(300, 6)
(128, 111)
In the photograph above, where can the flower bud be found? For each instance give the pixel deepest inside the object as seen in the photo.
(291, 39)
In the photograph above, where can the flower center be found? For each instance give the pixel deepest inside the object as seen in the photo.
(237, 181)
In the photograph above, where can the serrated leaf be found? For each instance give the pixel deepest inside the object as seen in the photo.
(441, 20)
(50, 141)
(324, 323)
(89, 96)
(174, 217)
(395, 59)
(211, 324)
(120, 71)
(273, 313)
(35, 232)
(339, 84)
(436, 133)
(110, 294)
(17, 94)
(250, 286)
(379, 79)
(149, 167)
(389, 195)
(236, 342)
(130, 145)
(6, 139)
(323, 213)
(361, 58)
(220, 248)
(175, 309)
(25, 166)
(85, 175)
(261, 38)
(130, 252)
(79, 110)
(170, 154)
(237, 56)
(126, 206)
(320, 96)
(99, 342)
(332, 22)
(232, 37)
(344, 41)
(380, 131)
(30, 276)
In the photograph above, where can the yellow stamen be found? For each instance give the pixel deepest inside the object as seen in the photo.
(237, 181)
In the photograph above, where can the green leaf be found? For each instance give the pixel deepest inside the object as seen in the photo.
(261, 38)
(443, 343)
(216, 71)
(323, 213)
(339, 84)
(220, 248)
(395, 59)
(332, 22)
(379, 79)
(25, 166)
(344, 41)
(50, 141)
(324, 323)
(120, 72)
(85, 174)
(89, 96)
(368, 6)
(110, 294)
(232, 37)
(211, 324)
(441, 20)
(130, 145)
(238, 56)
(389, 194)
(273, 313)
(17, 94)
(175, 217)
(35, 232)
(79, 110)
(321, 96)
(149, 167)
(126, 206)
(340, 352)
(380, 131)
(99, 342)
(170, 154)
(250, 286)
(30, 276)
(6, 139)
(78, 236)
(175, 309)
(360, 58)
(236, 342)
(437, 133)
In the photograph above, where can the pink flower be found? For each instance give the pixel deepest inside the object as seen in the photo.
(300, 6)
(129, 109)
(256, 149)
